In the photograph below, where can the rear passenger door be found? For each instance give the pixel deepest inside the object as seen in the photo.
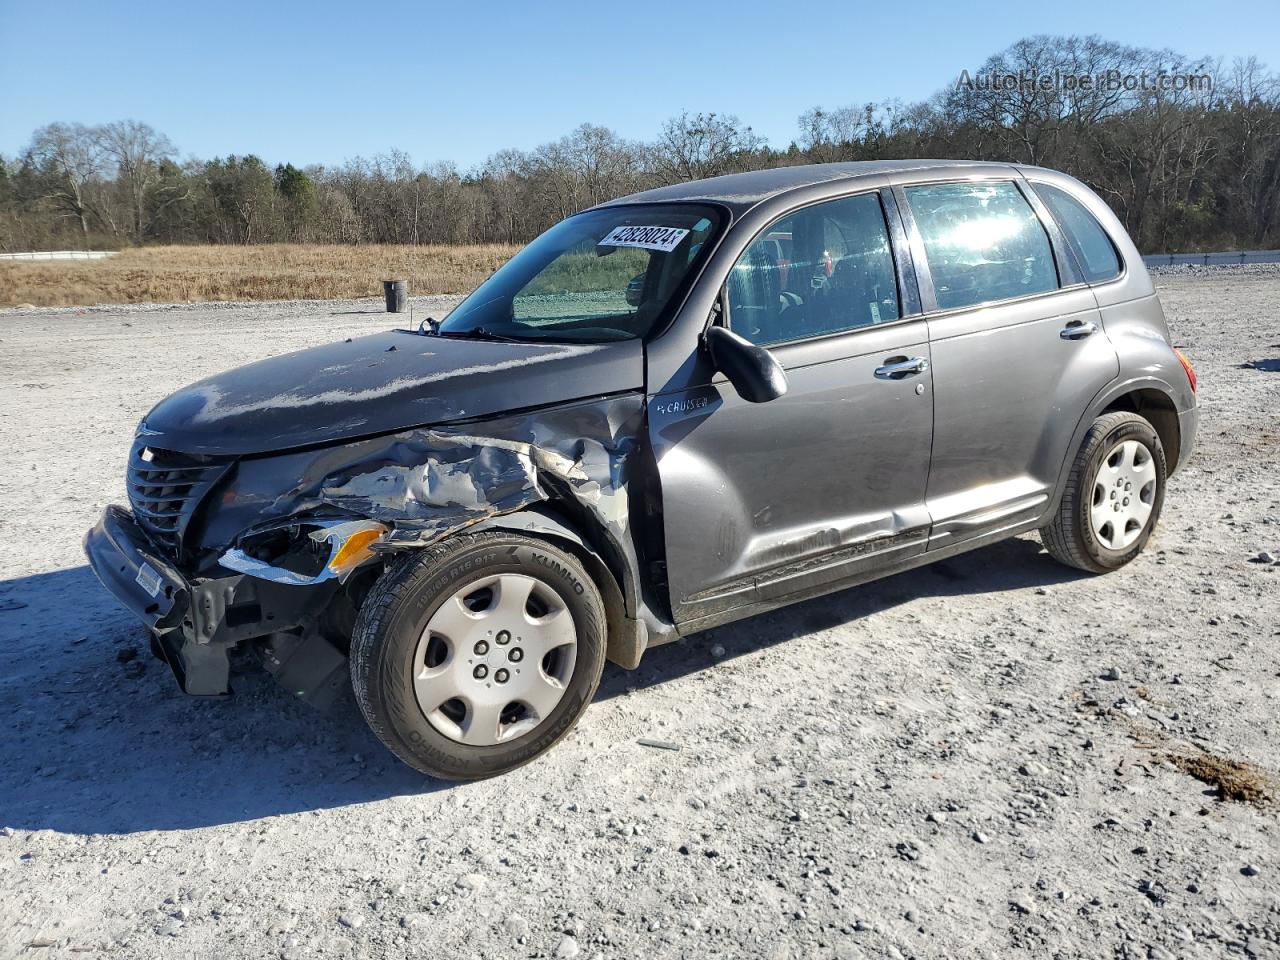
(1017, 346)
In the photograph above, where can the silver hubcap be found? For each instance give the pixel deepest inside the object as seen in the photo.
(495, 659)
(1124, 491)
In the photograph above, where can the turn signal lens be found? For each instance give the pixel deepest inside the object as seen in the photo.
(355, 550)
(1186, 365)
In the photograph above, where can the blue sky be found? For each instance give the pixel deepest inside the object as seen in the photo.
(324, 81)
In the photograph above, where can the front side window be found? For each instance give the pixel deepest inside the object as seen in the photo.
(983, 242)
(607, 274)
(1090, 243)
(823, 269)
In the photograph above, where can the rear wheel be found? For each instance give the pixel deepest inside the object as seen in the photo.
(1113, 496)
(475, 656)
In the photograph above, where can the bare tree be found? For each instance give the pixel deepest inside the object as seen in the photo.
(589, 166)
(1249, 129)
(844, 133)
(1151, 153)
(503, 183)
(693, 146)
(71, 157)
(139, 152)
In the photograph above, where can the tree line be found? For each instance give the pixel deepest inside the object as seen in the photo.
(1185, 167)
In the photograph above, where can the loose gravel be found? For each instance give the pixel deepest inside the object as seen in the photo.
(990, 756)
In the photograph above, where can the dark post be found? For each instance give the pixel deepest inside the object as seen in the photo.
(396, 292)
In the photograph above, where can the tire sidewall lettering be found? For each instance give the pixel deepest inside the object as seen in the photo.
(557, 569)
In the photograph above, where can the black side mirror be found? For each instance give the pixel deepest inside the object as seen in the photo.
(752, 369)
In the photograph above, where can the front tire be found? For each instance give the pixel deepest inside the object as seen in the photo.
(477, 655)
(1113, 496)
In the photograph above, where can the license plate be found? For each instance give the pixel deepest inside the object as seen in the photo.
(149, 579)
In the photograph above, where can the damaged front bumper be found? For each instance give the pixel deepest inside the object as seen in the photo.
(194, 624)
(158, 595)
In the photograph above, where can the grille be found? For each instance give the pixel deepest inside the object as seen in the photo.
(164, 490)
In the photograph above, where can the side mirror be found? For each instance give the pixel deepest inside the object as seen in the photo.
(752, 369)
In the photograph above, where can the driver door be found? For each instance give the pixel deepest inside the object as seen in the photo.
(767, 503)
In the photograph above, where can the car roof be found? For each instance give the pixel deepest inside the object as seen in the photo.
(742, 191)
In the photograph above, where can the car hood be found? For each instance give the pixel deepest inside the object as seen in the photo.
(380, 384)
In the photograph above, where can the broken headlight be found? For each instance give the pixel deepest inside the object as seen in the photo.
(307, 552)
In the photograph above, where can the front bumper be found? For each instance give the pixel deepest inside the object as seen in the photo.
(196, 622)
(184, 620)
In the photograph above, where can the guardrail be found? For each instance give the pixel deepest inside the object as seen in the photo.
(1220, 259)
(61, 255)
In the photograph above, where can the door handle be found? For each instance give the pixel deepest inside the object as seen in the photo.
(897, 368)
(1078, 330)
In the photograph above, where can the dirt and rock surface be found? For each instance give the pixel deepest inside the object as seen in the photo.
(991, 756)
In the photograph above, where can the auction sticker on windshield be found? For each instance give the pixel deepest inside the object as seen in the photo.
(665, 239)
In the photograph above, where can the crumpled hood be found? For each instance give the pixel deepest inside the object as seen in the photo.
(380, 384)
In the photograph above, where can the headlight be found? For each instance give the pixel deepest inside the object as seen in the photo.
(332, 549)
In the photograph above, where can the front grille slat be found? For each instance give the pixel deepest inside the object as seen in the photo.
(146, 511)
(165, 489)
(158, 494)
(158, 478)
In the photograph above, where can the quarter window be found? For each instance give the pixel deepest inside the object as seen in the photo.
(1089, 242)
(983, 242)
(823, 269)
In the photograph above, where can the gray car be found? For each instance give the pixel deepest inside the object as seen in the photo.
(667, 413)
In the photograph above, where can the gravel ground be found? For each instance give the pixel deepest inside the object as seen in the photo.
(991, 756)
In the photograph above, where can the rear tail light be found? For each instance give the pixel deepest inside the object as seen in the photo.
(1186, 365)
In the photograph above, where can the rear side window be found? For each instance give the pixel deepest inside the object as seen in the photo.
(823, 269)
(983, 242)
(1089, 242)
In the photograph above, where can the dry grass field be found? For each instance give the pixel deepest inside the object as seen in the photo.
(180, 274)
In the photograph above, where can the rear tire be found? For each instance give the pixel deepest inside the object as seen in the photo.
(477, 655)
(1113, 496)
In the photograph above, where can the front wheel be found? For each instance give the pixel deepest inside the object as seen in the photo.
(1113, 496)
(477, 655)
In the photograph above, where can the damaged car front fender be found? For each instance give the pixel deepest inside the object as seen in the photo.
(413, 488)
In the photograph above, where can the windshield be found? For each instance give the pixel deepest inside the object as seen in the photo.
(602, 275)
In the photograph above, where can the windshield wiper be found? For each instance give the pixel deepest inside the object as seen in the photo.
(480, 333)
